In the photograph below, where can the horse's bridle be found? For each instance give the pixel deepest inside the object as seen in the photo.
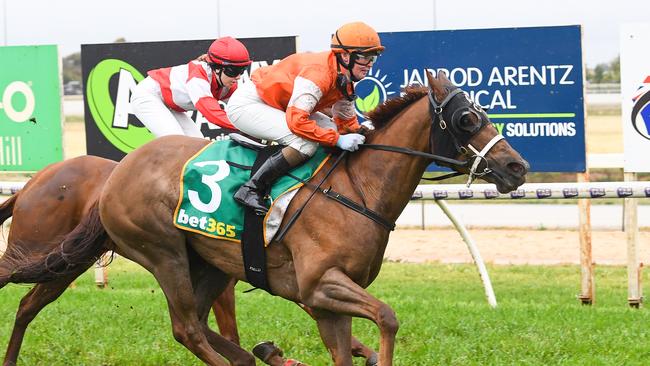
(458, 135)
(435, 144)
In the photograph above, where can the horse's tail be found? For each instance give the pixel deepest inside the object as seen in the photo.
(7, 207)
(83, 246)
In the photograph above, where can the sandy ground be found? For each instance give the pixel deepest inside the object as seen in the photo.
(502, 246)
(512, 246)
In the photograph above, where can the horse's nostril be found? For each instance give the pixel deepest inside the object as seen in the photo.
(517, 168)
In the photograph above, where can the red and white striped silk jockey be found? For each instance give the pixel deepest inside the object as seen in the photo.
(161, 100)
(194, 87)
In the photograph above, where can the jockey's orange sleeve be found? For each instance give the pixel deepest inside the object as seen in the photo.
(300, 124)
(347, 125)
(300, 85)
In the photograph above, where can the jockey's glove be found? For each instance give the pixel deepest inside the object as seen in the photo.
(350, 141)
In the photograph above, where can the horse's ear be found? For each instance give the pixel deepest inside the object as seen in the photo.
(436, 86)
(443, 79)
(430, 79)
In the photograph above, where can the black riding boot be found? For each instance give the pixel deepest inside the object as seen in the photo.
(252, 193)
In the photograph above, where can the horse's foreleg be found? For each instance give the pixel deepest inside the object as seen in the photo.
(170, 267)
(335, 331)
(186, 327)
(30, 305)
(337, 293)
(224, 312)
(358, 349)
(213, 289)
(190, 294)
(209, 283)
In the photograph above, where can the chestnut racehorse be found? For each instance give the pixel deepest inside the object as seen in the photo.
(331, 253)
(49, 207)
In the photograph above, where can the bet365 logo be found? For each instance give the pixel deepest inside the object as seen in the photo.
(18, 101)
(371, 92)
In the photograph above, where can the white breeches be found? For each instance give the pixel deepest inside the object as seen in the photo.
(251, 115)
(148, 105)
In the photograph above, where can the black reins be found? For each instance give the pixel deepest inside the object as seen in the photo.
(436, 111)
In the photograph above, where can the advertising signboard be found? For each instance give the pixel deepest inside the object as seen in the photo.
(30, 108)
(530, 80)
(635, 92)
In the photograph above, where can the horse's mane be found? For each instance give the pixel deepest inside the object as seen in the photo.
(391, 107)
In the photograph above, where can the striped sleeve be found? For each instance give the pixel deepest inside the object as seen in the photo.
(308, 89)
(198, 89)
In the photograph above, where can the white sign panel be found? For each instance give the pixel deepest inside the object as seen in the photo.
(635, 94)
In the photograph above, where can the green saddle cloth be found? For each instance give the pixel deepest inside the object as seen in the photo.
(212, 176)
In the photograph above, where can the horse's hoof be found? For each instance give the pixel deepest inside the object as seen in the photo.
(266, 350)
(373, 360)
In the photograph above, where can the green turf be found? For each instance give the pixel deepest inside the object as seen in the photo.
(444, 319)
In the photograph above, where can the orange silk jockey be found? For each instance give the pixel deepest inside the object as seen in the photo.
(302, 84)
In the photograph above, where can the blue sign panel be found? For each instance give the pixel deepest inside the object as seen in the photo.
(530, 79)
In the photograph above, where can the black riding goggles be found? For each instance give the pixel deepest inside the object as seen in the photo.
(230, 70)
(233, 71)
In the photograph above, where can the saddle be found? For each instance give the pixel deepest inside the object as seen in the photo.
(206, 206)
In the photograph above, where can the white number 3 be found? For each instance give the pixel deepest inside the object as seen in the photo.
(223, 170)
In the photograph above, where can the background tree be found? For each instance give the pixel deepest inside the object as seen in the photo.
(606, 72)
(72, 68)
(71, 65)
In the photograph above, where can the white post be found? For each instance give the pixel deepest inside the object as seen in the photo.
(101, 271)
(634, 296)
(482, 271)
(422, 224)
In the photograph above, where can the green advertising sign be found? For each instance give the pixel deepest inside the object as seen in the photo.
(30, 108)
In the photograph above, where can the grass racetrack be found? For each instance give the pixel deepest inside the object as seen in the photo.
(444, 317)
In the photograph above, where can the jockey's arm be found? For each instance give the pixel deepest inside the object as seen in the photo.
(306, 95)
(345, 116)
(198, 89)
(212, 111)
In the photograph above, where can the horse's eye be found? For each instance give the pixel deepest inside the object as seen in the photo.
(468, 122)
